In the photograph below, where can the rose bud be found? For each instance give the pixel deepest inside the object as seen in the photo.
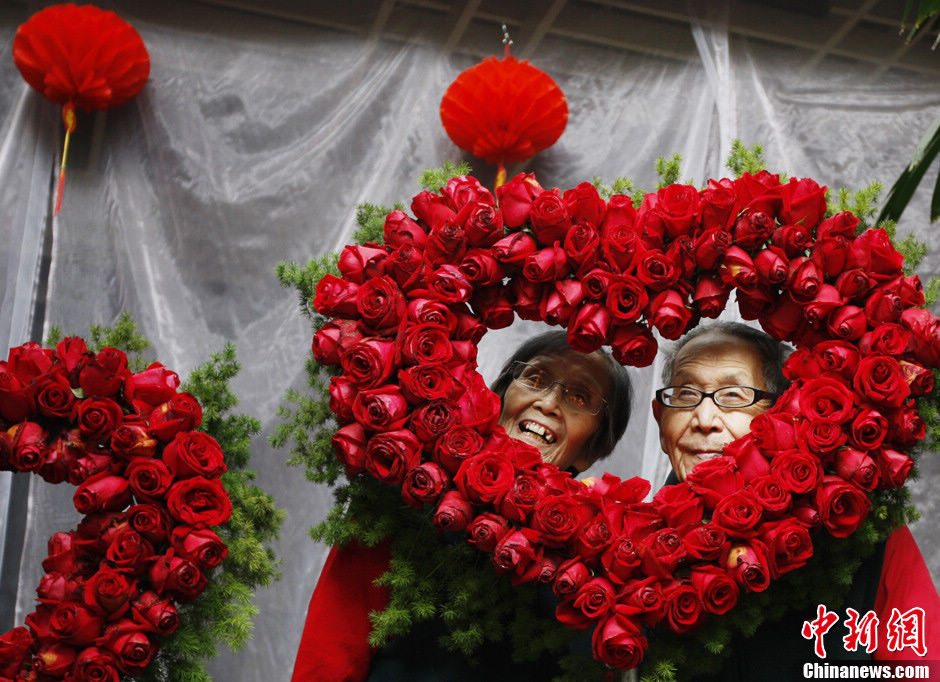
(156, 614)
(710, 246)
(752, 229)
(798, 471)
(803, 280)
(830, 255)
(561, 300)
(359, 263)
(710, 295)
(718, 202)
(103, 374)
(682, 607)
(95, 665)
(783, 318)
(842, 506)
(60, 557)
(486, 530)
(633, 344)
(133, 440)
(515, 198)
(748, 565)
(669, 314)
(182, 412)
(738, 269)
(73, 623)
(514, 248)
(895, 467)
(588, 329)
(431, 209)
(178, 577)
(149, 479)
(399, 229)
(130, 646)
(570, 577)
(482, 223)
(618, 642)
(753, 304)
(197, 500)
(788, 543)
(873, 252)
(349, 446)
(550, 218)
(423, 484)
(70, 353)
(27, 444)
(548, 264)
(582, 244)
(920, 379)
(857, 467)
(53, 660)
(202, 546)
(818, 310)
(193, 453)
(792, 239)
(453, 512)
(102, 492)
(516, 552)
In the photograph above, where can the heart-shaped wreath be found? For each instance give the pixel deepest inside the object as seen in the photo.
(148, 486)
(413, 412)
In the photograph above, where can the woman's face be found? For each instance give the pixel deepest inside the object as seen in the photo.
(542, 419)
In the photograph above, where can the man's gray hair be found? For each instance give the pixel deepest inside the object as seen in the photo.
(773, 353)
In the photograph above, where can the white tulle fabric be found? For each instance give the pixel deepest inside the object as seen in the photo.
(256, 138)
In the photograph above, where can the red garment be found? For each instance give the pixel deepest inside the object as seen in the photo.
(905, 584)
(334, 646)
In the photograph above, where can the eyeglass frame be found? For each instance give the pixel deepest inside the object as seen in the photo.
(759, 395)
(516, 380)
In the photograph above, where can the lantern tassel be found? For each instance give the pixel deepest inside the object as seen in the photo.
(68, 117)
(500, 175)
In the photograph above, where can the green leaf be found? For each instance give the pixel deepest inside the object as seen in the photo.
(903, 189)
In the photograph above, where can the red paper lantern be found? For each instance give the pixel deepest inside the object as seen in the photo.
(504, 111)
(80, 57)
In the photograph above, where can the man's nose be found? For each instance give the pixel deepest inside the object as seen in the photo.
(706, 416)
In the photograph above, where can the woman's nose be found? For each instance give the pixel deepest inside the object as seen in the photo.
(549, 399)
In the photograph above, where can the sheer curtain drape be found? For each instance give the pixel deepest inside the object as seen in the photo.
(253, 143)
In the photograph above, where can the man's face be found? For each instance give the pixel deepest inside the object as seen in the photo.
(708, 362)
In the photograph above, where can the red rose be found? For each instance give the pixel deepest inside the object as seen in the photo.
(669, 313)
(826, 399)
(595, 283)
(486, 531)
(335, 297)
(399, 229)
(643, 598)
(804, 202)
(718, 203)
(774, 432)
(772, 495)
(661, 551)
(794, 240)
(358, 263)
(391, 454)
(880, 380)
(485, 477)
(426, 343)
(447, 243)
(200, 545)
(133, 440)
(558, 517)
(772, 265)
(464, 189)
(30, 361)
(618, 642)
(424, 484)
(837, 356)
(550, 218)
(370, 362)
(546, 265)
(842, 506)
(840, 225)
(905, 427)
(482, 222)
(95, 665)
(407, 266)
(782, 318)
(381, 409)
(525, 492)
(53, 659)
(560, 301)
(148, 478)
(73, 623)
(633, 344)
(515, 198)
(804, 280)
(818, 311)
(883, 306)
(656, 270)
(679, 505)
(748, 457)
(102, 492)
(27, 443)
(129, 551)
(873, 252)
(588, 329)
(679, 206)
(108, 593)
(349, 446)
(682, 607)
(621, 559)
(788, 544)
(895, 467)
(431, 209)
(60, 556)
(585, 204)
(857, 467)
(582, 244)
(737, 269)
(886, 339)
(98, 417)
(481, 267)
(182, 412)
(752, 228)
(830, 255)
(333, 338)
(194, 453)
(16, 402)
(593, 600)
(149, 520)
(178, 577)
(715, 479)
(626, 299)
(706, 542)
(199, 501)
(516, 552)
(130, 645)
(56, 587)
(54, 396)
(710, 246)
(716, 590)
(798, 471)
(749, 565)
(513, 249)
(853, 284)
(381, 304)
(156, 614)
(453, 512)
(621, 245)
(343, 393)
(710, 295)
(753, 304)
(455, 446)
(868, 429)
(738, 514)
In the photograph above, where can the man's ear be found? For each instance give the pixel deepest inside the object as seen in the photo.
(657, 410)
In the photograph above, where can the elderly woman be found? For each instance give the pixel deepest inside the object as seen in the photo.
(573, 407)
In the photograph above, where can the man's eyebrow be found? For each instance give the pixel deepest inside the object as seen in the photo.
(731, 379)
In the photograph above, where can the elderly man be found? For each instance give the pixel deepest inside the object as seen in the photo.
(717, 379)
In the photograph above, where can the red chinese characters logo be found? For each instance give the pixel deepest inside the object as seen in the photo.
(904, 630)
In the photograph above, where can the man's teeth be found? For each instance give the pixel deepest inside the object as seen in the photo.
(538, 430)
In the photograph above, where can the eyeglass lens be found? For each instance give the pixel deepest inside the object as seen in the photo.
(728, 396)
(537, 379)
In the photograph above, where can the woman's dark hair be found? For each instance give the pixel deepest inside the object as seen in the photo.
(616, 413)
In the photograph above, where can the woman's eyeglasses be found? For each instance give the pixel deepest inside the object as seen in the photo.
(538, 380)
(729, 397)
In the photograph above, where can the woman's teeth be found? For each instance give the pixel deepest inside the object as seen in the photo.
(538, 430)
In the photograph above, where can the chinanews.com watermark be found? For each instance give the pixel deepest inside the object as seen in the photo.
(902, 632)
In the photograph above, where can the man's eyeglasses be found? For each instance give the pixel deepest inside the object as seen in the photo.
(729, 397)
(536, 379)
